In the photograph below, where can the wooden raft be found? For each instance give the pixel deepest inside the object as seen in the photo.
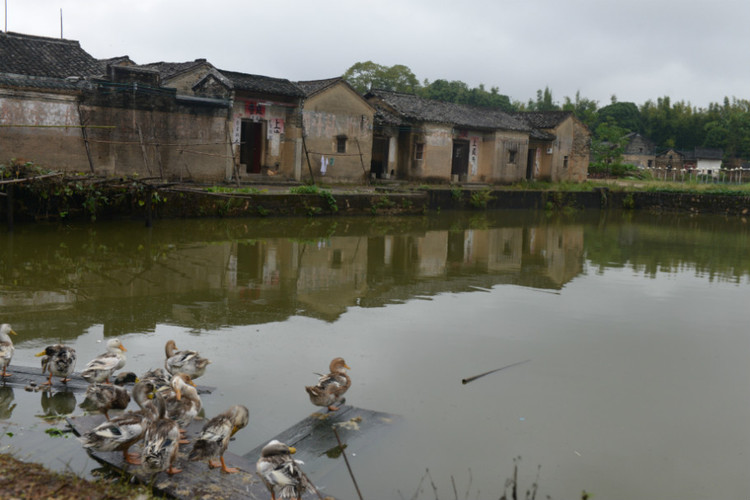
(313, 437)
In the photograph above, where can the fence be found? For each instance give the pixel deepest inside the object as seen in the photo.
(723, 176)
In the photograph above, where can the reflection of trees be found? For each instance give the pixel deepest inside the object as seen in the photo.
(711, 245)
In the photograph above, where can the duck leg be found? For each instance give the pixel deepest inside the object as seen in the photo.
(49, 380)
(131, 458)
(224, 468)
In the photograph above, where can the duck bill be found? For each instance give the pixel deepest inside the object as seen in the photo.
(292, 450)
(44, 352)
(122, 348)
(178, 394)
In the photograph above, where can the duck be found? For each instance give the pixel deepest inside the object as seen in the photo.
(330, 389)
(161, 442)
(122, 432)
(182, 401)
(59, 360)
(189, 362)
(214, 437)
(103, 366)
(6, 348)
(277, 469)
(103, 397)
(158, 376)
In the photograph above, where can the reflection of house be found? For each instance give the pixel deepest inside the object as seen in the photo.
(639, 151)
(422, 139)
(337, 124)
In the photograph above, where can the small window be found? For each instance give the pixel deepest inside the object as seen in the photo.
(511, 156)
(341, 144)
(419, 151)
(565, 162)
(650, 163)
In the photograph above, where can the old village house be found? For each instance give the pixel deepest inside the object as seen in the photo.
(421, 139)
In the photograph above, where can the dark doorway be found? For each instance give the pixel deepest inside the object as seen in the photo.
(379, 162)
(460, 163)
(530, 164)
(251, 146)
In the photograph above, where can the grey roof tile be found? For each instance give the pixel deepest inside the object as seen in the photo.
(414, 108)
(263, 84)
(46, 57)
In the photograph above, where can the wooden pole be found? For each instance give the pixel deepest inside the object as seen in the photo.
(307, 154)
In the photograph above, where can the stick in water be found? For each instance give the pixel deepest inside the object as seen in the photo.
(472, 379)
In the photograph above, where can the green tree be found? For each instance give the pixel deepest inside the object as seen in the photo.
(608, 145)
(544, 101)
(623, 114)
(366, 75)
(584, 109)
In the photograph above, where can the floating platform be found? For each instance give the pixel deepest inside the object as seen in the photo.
(31, 379)
(313, 437)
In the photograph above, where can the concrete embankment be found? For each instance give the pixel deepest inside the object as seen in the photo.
(187, 202)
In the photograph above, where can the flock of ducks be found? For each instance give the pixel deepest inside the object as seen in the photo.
(168, 402)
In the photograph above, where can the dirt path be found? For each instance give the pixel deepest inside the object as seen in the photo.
(21, 480)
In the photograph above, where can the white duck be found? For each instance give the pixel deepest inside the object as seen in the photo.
(6, 347)
(103, 366)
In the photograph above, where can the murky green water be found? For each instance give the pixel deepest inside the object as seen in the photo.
(635, 325)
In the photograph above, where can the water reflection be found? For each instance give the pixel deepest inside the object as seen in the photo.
(57, 404)
(6, 402)
(202, 274)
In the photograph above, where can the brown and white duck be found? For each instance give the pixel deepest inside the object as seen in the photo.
(59, 360)
(214, 438)
(279, 471)
(182, 401)
(189, 362)
(122, 432)
(330, 389)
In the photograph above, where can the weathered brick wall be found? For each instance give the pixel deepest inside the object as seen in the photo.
(128, 132)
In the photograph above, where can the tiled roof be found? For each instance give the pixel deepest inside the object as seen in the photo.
(413, 108)
(169, 69)
(543, 119)
(312, 87)
(46, 57)
(262, 84)
(709, 153)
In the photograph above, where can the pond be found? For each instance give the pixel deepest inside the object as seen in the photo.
(630, 330)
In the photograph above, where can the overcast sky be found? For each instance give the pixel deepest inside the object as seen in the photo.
(690, 50)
